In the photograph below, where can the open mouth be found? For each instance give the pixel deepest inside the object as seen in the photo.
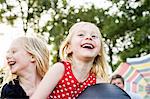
(87, 45)
(11, 63)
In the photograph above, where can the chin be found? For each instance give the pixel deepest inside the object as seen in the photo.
(13, 71)
(89, 56)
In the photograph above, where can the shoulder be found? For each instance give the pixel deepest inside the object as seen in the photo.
(57, 69)
(12, 89)
(58, 66)
(61, 65)
(7, 89)
(10, 85)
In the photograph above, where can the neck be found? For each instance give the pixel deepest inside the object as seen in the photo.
(29, 82)
(81, 69)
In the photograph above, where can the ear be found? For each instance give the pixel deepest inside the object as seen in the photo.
(32, 59)
(69, 49)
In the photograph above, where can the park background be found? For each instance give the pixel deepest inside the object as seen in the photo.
(124, 24)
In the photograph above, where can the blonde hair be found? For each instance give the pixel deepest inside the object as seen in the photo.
(100, 64)
(38, 49)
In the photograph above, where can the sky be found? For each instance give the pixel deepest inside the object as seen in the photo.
(8, 33)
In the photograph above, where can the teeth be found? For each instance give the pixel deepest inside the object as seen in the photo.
(87, 46)
(11, 62)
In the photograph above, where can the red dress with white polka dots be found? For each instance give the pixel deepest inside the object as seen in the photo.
(69, 87)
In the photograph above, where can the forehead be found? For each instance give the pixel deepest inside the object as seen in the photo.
(16, 43)
(117, 80)
(85, 27)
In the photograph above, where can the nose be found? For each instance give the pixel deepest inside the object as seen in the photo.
(88, 37)
(8, 55)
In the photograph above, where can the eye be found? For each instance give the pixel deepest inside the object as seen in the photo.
(13, 51)
(81, 34)
(94, 36)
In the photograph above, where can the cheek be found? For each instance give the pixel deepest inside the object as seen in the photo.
(98, 48)
(75, 44)
(18, 56)
(120, 85)
(23, 56)
(99, 44)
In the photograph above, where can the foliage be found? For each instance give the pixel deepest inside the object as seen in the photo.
(138, 19)
(126, 31)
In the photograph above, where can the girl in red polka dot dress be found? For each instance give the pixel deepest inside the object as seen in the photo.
(83, 64)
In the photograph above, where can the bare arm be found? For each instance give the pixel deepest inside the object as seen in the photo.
(49, 81)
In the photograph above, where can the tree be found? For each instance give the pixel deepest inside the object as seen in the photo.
(61, 18)
(135, 18)
(125, 31)
(30, 12)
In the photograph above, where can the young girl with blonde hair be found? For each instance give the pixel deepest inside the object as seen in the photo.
(83, 64)
(28, 59)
